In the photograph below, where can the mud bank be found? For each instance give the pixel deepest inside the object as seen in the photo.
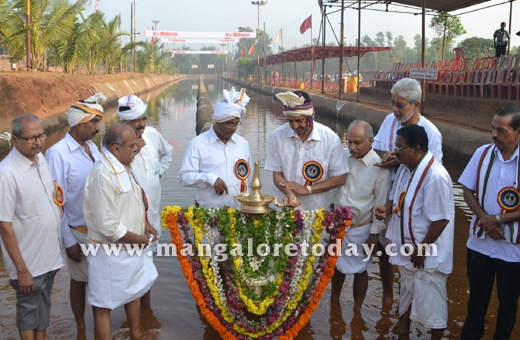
(458, 144)
(49, 95)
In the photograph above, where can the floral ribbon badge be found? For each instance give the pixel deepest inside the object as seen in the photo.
(312, 171)
(509, 199)
(242, 170)
(59, 197)
(400, 202)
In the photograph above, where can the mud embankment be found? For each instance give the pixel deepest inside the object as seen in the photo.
(50, 95)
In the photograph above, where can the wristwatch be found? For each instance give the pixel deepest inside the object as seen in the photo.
(309, 189)
(497, 217)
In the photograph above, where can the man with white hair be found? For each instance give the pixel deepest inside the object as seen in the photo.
(406, 100)
(70, 160)
(217, 162)
(114, 208)
(149, 164)
(366, 187)
(306, 157)
(30, 226)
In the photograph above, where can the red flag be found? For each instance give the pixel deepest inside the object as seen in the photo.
(306, 24)
(242, 53)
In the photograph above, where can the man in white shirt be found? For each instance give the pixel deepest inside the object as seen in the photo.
(406, 100)
(30, 222)
(306, 157)
(420, 231)
(114, 208)
(149, 164)
(70, 161)
(491, 181)
(217, 162)
(366, 187)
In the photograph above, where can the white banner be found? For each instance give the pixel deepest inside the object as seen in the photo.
(194, 66)
(211, 66)
(423, 73)
(214, 35)
(198, 41)
(198, 52)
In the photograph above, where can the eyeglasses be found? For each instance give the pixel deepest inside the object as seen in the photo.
(231, 124)
(397, 104)
(31, 140)
(399, 149)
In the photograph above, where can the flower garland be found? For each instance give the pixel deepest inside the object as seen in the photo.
(296, 283)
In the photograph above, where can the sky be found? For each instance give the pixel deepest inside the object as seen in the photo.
(228, 15)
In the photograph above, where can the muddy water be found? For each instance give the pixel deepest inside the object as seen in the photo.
(173, 114)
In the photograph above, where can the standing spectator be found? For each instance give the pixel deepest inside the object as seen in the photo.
(501, 39)
(491, 181)
(149, 164)
(30, 222)
(70, 161)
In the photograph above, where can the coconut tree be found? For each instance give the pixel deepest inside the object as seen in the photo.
(110, 46)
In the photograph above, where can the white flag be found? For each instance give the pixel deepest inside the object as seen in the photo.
(278, 37)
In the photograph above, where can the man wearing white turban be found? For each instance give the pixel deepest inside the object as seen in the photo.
(149, 164)
(70, 161)
(306, 157)
(217, 162)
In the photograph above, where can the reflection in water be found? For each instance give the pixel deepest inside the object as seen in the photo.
(172, 112)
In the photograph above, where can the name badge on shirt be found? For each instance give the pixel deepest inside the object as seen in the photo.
(59, 197)
(242, 171)
(312, 171)
(509, 199)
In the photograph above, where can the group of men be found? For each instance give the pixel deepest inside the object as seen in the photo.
(399, 192)
(78, 197)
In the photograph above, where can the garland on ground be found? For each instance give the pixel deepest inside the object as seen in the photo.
(219, 253)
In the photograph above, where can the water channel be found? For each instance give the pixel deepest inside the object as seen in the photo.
(172, 112)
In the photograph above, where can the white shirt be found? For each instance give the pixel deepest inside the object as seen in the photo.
(150, 163)
(366, 187)
(503, 174)
(434, 202)
(27, 201)
(207, 159)
(287, 154)
(110, 215)
(70, 165)
(384, 141)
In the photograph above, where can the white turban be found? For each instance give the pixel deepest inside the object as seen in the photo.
(131, 107)
(294, 105)
(85, 110)
(233, 106)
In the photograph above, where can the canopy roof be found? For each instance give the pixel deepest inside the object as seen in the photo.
(304, 54)
(442, 5)
(435, 5)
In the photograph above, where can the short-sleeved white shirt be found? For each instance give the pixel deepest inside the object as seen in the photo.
(385, 138)
(27, 201)
(287, 154)
(503, 174)
(434, 202)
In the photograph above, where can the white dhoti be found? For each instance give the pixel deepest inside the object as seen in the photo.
(352, 264)
(426, 290)
(117, 280)
(78, 271)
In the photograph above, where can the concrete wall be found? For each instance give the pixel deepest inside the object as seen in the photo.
(204, 109)
(457, 144)
(111, 89)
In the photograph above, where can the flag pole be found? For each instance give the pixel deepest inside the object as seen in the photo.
(281, 30)
(312, 59)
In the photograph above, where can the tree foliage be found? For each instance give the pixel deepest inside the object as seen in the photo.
(448, 27)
